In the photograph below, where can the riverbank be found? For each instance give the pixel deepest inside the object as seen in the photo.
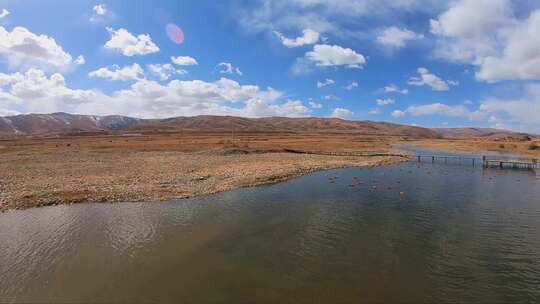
(520, 148)
(44, 171)
(41, 172)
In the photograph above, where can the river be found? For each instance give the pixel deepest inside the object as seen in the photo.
(405, 233)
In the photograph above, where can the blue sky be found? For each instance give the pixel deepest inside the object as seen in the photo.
(424, 62)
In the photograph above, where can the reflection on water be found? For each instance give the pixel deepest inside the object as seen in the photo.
(408, 233)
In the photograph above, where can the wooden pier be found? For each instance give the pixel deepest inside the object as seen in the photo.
(512, 163)
(485, 161)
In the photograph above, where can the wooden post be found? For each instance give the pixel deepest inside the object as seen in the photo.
(419, 158)
(473, 160)
(433, 159)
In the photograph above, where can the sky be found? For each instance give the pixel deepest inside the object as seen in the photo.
(429, 63)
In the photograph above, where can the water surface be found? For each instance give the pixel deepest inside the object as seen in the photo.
(407, 233)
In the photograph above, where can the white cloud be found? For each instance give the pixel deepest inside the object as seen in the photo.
(315, 105)
(165, 71)
(4, 112)
(522, 113)
(129, 45)
(324, 16)
(4, 13)
(331, 97)
(385, 102)
(228, 68)
(302, 66)
(374, 112)
(487, 34)
(308, 37)
(521, 56)
(398, 114)
(519, 114)
(326, 82)
(24, 49)
(34, 92)
(392, 88)
(351, 86)
(291, 108)
(80, 60)
(395, 37)
(184, 60)
(341, 113)
(132, 72)
(333, 55)
(101, 13)
(440, 109)
(432, 80)
(100, 9)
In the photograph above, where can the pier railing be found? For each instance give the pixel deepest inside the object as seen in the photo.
(510, 162)
(486, 161)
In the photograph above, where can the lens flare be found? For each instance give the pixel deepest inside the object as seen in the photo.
(175, 33)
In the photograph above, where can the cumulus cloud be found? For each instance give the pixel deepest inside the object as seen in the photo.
(351, 86)
(324, 55)
(165, 71)
(342, 113)
(24, 49)
(432, 80)
(128, 44)
(489, 35)
(184, 60)
(291, 108)
(315, 105)
(4, 13)
(374, 112)
(326, 82)
(385, 102)
(395, 37)
(132, 72)
(392, 88)
(228, 68)
(308, 37)
(36, 92)
(521, 113)
(398, 114)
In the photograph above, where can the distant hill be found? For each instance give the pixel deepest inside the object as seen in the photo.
(281, 124)
(487, 133)
(60, 123)
(63, 123)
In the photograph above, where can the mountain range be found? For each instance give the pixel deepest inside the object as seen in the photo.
(64, 123)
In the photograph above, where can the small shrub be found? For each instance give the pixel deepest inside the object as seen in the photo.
(534, 146)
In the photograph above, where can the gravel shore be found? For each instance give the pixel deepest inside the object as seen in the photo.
(31, 180)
